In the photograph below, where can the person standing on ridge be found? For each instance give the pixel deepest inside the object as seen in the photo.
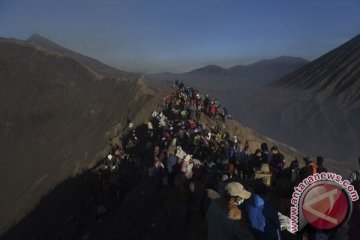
(265, 154)
(309, 169)
(320, 164)
(278, 160)
(225, 219)
(262, 216)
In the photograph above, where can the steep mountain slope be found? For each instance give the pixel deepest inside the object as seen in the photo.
(56, 115)
(97, 66)
(213, 77)
(315, 108)
(336, 75)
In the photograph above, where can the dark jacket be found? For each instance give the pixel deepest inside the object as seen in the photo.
(222, 226)
(321, 169)
(308, 170)
(277, 161)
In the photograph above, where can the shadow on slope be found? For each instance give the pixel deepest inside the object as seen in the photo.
(100, 205)
(61, 214)
(56, 116)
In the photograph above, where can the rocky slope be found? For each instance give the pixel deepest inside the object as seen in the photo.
(91, 63)
(315, 108)
(56, 115)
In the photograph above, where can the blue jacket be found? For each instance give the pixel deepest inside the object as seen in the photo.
(263, 218)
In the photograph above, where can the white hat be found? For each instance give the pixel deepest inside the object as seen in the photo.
(109, 156)
(131, 125)
(235, 189)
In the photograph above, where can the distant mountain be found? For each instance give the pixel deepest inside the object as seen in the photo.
(316, 108)
(93, 64)
(214, 77)
(276, 66)
(208, 70)
(336, 75)
(56, 118)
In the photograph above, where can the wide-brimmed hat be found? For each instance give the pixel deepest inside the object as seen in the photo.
(236, 189)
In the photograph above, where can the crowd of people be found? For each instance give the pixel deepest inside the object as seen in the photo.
(230, 185)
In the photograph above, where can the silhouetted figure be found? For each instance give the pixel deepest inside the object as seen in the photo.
(309, 169)
(224, 218)
(262, 216)
(320, 164)
(277, 160)
(265, 154)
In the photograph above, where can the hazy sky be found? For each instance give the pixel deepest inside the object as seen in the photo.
(180, 35)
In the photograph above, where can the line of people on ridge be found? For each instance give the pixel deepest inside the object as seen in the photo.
(197, 159)
(207, 165)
